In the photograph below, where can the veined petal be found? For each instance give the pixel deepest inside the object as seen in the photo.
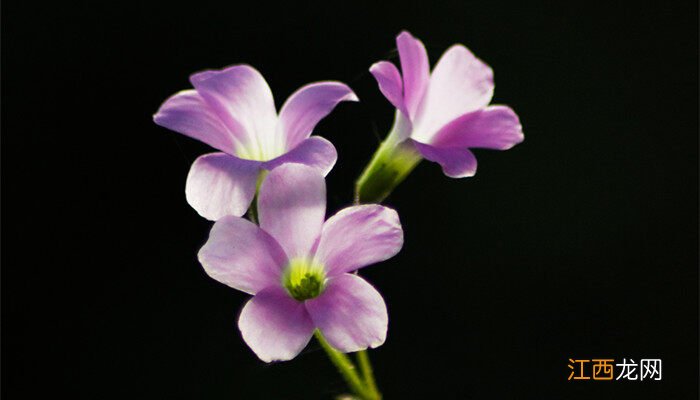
(455, 162)
(243, 100)
(460, 83)
(350, 314)
(495, 127)
(241, 255)
(292, 207)
(315, 152)
(415, 69)
(307, 106)
(219, 184)
(275, 326)
(359, 236)
(390, 83)
(187, 113)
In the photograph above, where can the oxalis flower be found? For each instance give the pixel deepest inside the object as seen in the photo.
(299, 268)
(233, 111)
(440, 116)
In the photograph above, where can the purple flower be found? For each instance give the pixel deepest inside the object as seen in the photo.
(233, 111)
(445, 113)
(299, 268)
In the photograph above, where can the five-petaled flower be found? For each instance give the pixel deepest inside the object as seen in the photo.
(445, 113)
(299, 268)
(233, 111)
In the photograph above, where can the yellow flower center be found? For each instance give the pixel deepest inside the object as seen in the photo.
(303, 279)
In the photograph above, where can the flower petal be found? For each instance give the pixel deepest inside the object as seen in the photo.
(390, 83)
(359, 236)
(315, 152)
(460, 83)
(275, 326)
(350, 313)
(219, 184)
(415, 69)
(243, 100)
(496, 127)
(187, 113)
(307, 106)
(455, 162)
(241, 255)
(292, 207)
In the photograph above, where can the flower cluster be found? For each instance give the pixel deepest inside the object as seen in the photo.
(300, 267)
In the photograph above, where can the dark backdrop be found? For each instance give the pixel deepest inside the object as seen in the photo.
(582, 242)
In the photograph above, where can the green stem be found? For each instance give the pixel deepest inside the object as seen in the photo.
(390, 165)
(253, 209)
(367, 374)
(345, 367)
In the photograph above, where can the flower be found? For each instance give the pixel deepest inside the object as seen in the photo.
(440, 115)
(299, 268)
(233, 111)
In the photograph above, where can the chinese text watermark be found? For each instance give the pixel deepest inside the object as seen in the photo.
(605, 369)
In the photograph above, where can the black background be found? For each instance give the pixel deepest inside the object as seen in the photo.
(582, 242)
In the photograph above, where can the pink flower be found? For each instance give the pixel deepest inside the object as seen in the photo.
(445, 113)
(233, 111)
(299, 268)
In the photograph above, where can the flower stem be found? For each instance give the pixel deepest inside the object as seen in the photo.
(367, 374)
(345, 367)
(390, 165)
(253, 209)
